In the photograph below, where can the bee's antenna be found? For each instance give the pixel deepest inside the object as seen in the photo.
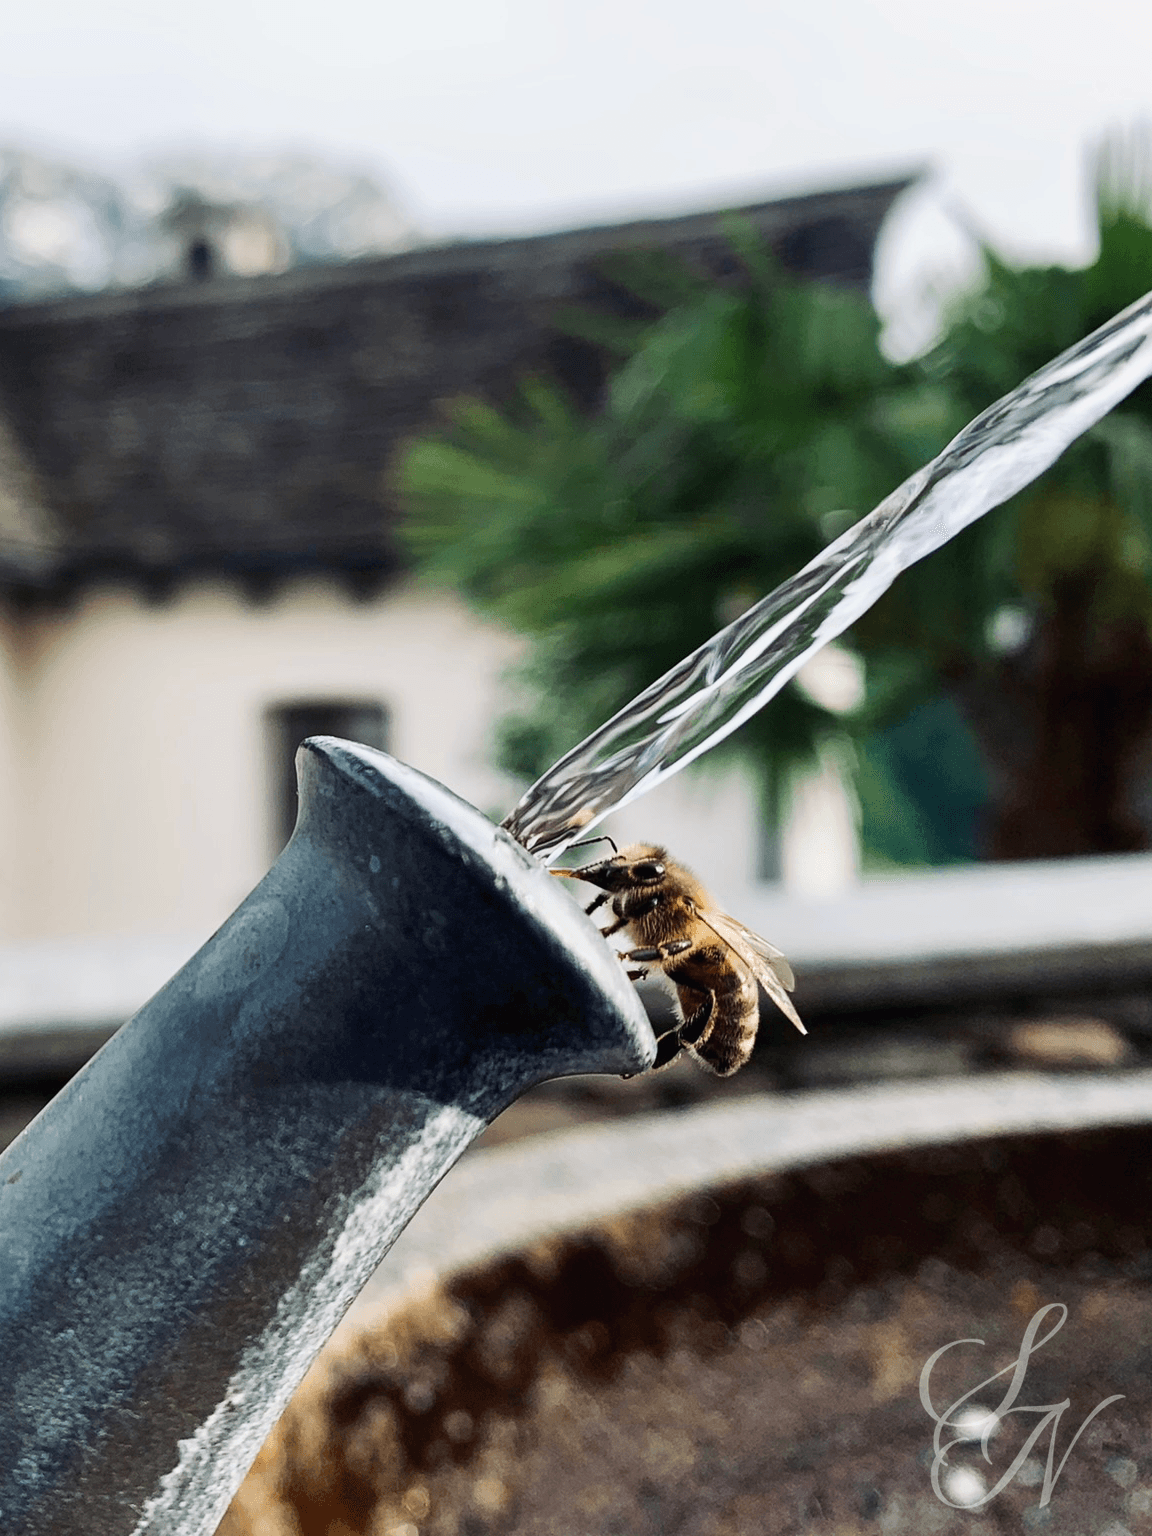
(588, 841)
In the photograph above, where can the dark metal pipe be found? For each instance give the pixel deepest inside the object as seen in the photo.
(184, 1225)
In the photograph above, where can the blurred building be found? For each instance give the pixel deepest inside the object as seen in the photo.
(66, 229)
(198, 559)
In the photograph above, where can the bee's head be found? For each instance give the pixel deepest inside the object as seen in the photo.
(641, 864)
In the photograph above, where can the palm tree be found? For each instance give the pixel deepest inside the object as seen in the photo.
(1038, 620)
(745, 428)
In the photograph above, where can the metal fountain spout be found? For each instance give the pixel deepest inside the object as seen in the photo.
(183, 1227)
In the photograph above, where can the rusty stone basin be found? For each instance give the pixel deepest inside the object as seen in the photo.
(718, 1320)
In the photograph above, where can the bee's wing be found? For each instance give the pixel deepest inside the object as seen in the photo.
(768, 965)
(744, 939)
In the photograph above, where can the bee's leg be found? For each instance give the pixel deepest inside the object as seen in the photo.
(657, 952)
(691, 1032)
(636, 975)
(614, 927)
(598, 902)
(668, 1048)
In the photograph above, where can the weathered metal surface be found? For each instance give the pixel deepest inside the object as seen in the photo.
(183, 1227)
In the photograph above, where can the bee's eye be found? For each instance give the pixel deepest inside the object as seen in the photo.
(648, 872)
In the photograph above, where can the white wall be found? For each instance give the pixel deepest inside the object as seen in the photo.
(145, 805)
(709, 820)
(11, 785)
(136, 777)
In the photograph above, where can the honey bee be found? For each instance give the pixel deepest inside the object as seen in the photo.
(712, 960)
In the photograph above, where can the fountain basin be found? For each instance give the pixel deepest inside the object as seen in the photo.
(716, 1319)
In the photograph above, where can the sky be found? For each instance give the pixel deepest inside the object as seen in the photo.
(489, 116)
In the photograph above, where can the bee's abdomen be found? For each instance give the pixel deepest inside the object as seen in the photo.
(727, 1045)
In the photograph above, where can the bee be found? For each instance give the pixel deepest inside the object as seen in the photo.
(712, 960)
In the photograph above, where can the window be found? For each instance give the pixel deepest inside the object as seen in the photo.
(354, 720)
(201, 260)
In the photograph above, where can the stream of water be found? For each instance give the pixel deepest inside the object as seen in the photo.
(712, 692)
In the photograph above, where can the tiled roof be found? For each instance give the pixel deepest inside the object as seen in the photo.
(249, 425)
